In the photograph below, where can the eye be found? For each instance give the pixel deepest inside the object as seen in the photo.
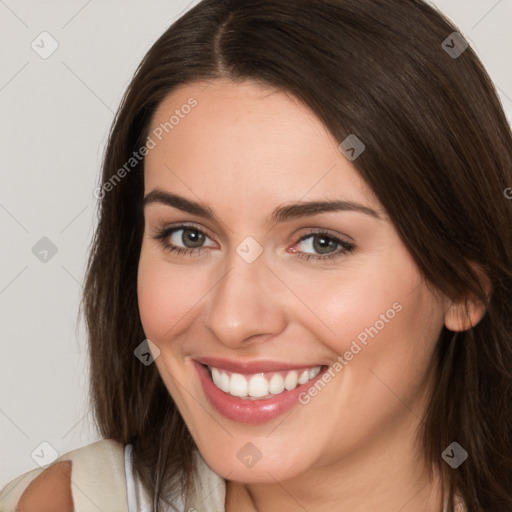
(189, 240)
(325, 244)
(191, 237)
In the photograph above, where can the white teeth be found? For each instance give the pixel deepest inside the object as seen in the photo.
(261, 385)
(216, 377)
(314, 372)
(258, 386)
(224, 382)
(290, 381)
(220, 379)
(276, 384)
(238, 385)
(304, 377)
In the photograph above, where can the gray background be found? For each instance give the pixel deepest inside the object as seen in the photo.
(56, 113)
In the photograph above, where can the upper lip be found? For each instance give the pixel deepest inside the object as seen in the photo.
(247, 367)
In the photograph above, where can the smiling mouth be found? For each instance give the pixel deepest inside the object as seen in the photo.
(261, 386)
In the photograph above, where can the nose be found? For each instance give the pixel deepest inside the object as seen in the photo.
(245, 306)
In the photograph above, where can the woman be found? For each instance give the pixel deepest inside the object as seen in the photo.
(299, 290)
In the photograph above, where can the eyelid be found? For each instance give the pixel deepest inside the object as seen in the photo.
(310, 230)
(346, 246)
(327, 231)
(183, 225)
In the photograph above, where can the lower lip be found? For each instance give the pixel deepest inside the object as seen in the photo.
(246, 410)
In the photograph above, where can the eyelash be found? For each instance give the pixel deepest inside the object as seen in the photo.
(163, 234)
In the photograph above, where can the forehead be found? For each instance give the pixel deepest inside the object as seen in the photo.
(244, 140)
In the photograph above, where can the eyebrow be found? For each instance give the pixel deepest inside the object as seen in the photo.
(280, 214)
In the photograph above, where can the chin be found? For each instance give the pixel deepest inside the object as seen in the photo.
(246, 465)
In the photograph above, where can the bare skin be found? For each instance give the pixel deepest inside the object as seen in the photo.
(243, 151)
(50, 491)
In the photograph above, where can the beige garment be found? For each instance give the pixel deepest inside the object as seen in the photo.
(97, 479)
(98, 482)
(209, 491)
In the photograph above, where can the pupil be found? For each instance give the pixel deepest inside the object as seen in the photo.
(324, 243)
(193, 236)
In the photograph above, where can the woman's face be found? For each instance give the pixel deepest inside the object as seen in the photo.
(285, 290)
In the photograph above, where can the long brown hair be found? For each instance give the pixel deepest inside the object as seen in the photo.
(438, 155)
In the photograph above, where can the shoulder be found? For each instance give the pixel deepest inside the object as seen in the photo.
(94, 468)
(50, 491)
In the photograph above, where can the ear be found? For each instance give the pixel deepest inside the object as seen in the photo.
(463, 315)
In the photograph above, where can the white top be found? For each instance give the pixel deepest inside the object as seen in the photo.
(209, 492)
(138, 499)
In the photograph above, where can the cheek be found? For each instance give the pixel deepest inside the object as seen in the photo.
(166, 296)
(383, 303)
